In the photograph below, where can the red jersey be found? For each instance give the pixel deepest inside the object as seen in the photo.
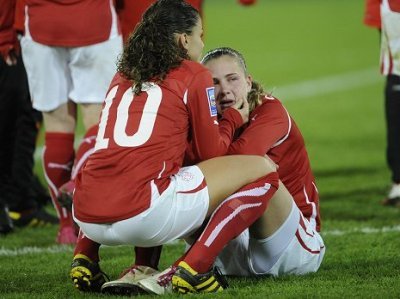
(8, 36)
(71, 23)
(19, 16)
(271, 130)
(142, 140)
(372, 16)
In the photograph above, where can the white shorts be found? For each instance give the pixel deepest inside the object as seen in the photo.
(390, 40)
(295, 248)
(177, 212)
(59, 74)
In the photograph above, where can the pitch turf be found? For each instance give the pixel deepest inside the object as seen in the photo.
(323, 63)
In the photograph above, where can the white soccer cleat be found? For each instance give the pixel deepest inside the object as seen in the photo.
(159, 284)
(127, 284)
(393, 198)
(394, 191)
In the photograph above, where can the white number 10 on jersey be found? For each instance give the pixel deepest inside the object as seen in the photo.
(146, 123)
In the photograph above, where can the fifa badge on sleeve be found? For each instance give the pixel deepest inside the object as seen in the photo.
(211, 101)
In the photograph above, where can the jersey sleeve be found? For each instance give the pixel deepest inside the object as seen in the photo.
(208, 138)
(8, 36)
(269, 124)
(230, 121)
(372, 16)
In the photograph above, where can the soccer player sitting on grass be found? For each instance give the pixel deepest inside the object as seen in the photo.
(133, 189)
(285, 239)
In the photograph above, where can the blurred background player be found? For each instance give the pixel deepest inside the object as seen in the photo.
(130, 12)
(372, 15)
(20, 190)
(69, 50)
(385, 15)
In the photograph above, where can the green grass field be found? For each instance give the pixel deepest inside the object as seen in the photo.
(322, 62)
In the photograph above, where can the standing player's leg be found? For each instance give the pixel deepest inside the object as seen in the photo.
(91, 113)
(49, 83)
(392, 109)
(92, 69)
(58, 157)
(7, 121)
(26, 208)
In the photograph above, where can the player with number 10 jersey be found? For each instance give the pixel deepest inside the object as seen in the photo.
(142, 139)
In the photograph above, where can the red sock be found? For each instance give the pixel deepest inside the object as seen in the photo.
(149, 257)
(87, 247)
(84, 150)
(193, 238)
(58, 156)
(232, 216)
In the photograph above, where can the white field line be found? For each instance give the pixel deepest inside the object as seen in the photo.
(362, 230)
(329, 84)
(69, 249)
(35, 250)
(311, 88)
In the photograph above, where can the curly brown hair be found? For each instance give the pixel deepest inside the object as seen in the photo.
(152, 51)
(254, 95)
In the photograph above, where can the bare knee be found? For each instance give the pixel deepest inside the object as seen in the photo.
(227, 174)
(90, 114)
(262, 166)
(62, 119)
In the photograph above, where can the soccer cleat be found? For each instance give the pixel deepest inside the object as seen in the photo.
(393, 198)
(33, 218)
(87, 275)
(127, 284)
(159, 284)
(66, 194)
(393, 202)
(6, 224)
(66, 235)
(187, 280)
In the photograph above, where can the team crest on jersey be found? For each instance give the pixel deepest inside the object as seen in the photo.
(211, 101)
(186, 176)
